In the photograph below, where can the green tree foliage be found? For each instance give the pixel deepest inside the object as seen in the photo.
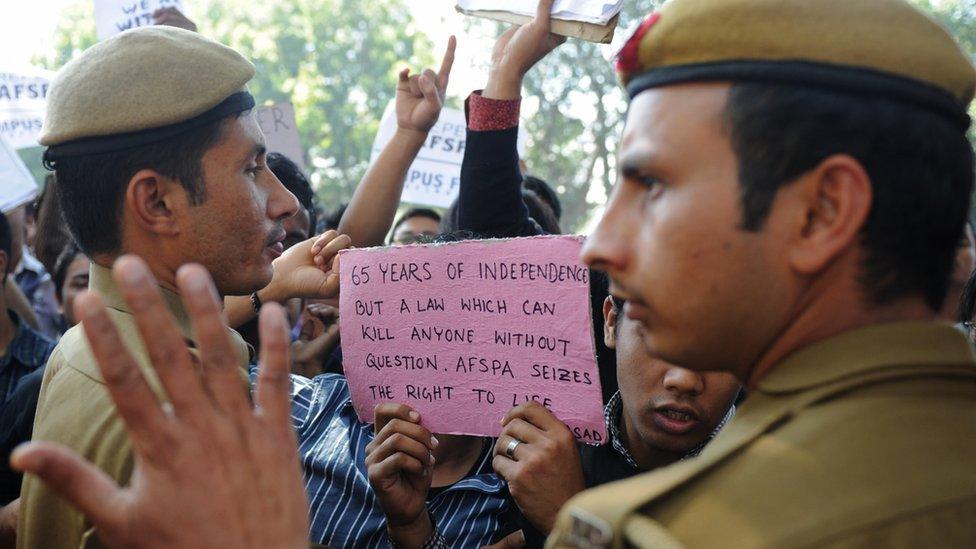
(336, 60)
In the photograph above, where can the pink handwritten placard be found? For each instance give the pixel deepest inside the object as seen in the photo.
(464, 331)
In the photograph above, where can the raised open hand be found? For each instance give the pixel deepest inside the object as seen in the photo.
(211, 470)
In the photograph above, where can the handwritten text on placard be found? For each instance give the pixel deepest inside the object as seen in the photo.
(462, 332)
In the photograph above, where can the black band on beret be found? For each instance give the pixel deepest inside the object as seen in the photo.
(853, 80)
(236, 103)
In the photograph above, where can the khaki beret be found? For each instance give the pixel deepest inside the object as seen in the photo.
(884, 48)
(141, 86)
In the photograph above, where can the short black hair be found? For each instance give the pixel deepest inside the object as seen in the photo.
(417, 212)
(6, 245)
(294, 180)
(920, 164)
(91, 188)
(67, 255)
(540, 211)
(545, 192)
(331, 221)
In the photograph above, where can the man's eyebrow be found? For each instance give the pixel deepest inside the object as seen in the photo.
(636, 162)
(257, 150)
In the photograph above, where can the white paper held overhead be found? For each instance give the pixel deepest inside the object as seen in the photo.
(599, 12)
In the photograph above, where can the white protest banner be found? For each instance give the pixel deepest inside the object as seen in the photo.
(115, 16)
(462, 332)
(23, 97)
(434, 178)
(281, 132)
(17, 185)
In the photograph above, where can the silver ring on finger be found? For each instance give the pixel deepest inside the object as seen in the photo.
(510, 449)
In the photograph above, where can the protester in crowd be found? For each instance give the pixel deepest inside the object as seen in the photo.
(393, 482)
(299, 227)
(33, 279)
(964, 266)
(491, 193)
(492, 202)
(661, 414)
(169, 167)
(789, 210)
(18, 303)
(17, 413)
(416, 225)
(419, 100)
(22, 350)
(70, 279)
(719, 271)
(315, 351)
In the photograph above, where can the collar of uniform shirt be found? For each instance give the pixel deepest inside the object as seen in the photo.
(613, 412)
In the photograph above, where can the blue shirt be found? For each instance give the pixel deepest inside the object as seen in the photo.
(343, 509)
(27, 352)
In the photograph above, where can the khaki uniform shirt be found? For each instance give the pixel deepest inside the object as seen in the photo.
(864, 440)
(75, 409)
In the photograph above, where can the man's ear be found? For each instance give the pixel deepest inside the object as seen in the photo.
(829, 207)
(609, 323)
(151, 201)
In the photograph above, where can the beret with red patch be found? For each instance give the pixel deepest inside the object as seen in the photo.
(882, 48)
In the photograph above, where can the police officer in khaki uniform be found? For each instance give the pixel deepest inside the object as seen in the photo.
(151, 137)
(794, 177)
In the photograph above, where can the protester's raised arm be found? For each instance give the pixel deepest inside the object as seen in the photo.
(419, 99)
(210, 470)
(517, 51)
(490, 200)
